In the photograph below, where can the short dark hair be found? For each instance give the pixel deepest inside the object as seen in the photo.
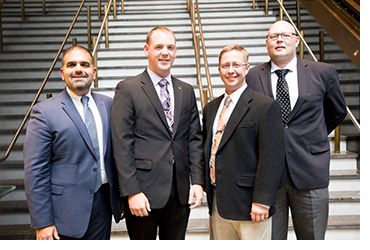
(66, 51)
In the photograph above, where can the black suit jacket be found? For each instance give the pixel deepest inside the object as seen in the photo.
(319, 109)
(147, 154)
(250, 157)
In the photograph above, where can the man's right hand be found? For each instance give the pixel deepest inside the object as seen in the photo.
(139, 204)
(47, 233)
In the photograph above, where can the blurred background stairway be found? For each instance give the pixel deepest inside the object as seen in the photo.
(29, 47)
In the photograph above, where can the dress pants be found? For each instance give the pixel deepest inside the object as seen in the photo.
(169, 222)
(309, 211)
(99, 227)
(225, 229)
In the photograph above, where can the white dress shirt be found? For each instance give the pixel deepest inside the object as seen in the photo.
(234, 100)
(291, 78)
(98, 122)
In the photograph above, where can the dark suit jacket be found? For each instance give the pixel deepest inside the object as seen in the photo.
(60, 165)
(319, 109)
(145, 151)
(250, 157)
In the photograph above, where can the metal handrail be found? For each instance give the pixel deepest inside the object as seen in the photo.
(350, 114)
(203, 97)
(104, 24)
(209, 84)
(41, 88)
(196, 40)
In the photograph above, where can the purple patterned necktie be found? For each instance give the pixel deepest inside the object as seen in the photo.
(165, 99)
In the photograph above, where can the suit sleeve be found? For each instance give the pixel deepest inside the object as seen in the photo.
(196, 160)
(334, 103)
(37, 153)
(123, 138)
(271, 158)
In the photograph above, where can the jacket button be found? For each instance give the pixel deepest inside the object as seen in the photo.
(286, 126)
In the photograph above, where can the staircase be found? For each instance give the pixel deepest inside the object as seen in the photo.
(28, 54)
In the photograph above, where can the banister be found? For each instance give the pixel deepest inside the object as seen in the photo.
(209, 84)
(350, 114)
(41, 88)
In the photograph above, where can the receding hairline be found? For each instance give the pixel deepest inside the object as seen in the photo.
(232, 47)
(158, 28)
(282, 22)
(70, 49)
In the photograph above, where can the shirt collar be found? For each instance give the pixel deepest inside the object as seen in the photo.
(236, 94)
(156, 78)
(77, 98)
(292, 65)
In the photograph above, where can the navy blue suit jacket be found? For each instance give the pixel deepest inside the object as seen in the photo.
(60, 165)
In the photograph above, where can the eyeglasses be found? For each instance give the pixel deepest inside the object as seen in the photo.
(235, 66)
(285, 36)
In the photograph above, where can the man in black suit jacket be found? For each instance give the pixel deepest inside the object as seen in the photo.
(157, 149)
(317, 107)
(249, 160)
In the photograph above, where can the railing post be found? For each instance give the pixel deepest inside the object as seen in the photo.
(1, 33)
(301, 47)
(95, 57)
(106, 33)
(298, 12)
(281, 10)
(23, 14)
(266, 7)
(115, 9)
(337, 140)
(99, 9)
(44, 7)
(88, 13)
(321, 45)
(122, 6)
(253, 4)
(74, 41)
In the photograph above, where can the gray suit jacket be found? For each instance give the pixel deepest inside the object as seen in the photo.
(60, 165)
(250, 157)
(147, 154)
(319, 109)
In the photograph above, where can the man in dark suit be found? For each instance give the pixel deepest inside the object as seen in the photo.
(244, 154)
(157, 144)
(70, 178)
(316, 107)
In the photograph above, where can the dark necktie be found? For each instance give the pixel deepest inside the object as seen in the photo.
(91, 128)
(165, 99)
(221, 124)
(282, 94)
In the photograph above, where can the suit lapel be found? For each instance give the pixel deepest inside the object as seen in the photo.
(71, 111)
(211, 120)
(104, 119)
(238, 113)
(303, 85)
(178, 93)
(265, 77)
(152, 95)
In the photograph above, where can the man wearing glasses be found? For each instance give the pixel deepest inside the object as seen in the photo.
(244, 152)
(312, 105)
